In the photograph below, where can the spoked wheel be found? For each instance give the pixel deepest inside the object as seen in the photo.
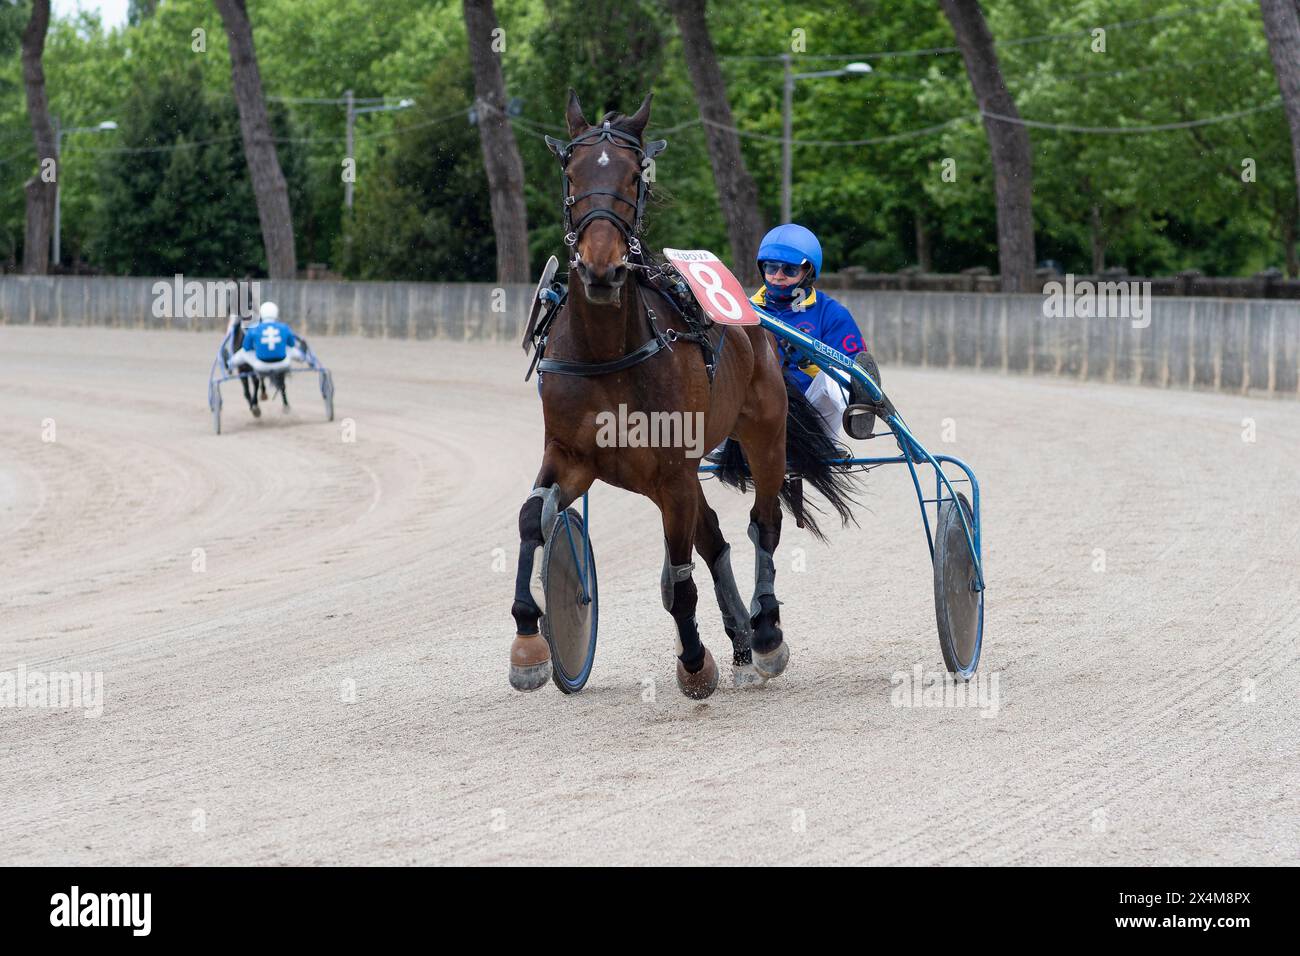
(214, 403)
(958, 606)
(327, 392)
(569, 624)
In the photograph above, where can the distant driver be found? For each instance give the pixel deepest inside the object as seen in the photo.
(270, 340)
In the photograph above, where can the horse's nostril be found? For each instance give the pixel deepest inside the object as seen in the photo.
(616, 275)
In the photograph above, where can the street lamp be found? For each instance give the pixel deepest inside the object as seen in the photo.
(59, 133)
(851, 69)
(353, 112)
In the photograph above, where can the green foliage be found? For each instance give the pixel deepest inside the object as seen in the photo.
(184, 209)
(422, 208)
(1154, 203)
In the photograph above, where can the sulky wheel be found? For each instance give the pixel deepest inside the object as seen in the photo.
(214, 402)
(569, 624)
(958, 606)
(327, 392)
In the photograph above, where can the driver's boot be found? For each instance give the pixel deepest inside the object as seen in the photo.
(859, 418)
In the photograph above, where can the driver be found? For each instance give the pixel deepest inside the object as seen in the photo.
(270, 339)
(790, 258)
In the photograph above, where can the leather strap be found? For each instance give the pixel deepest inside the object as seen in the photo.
(588, 369)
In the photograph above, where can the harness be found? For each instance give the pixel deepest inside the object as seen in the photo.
(661, 277)
(615, 137)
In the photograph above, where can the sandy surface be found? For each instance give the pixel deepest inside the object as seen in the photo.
(331, 686)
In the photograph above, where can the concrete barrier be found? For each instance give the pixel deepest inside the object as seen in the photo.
(1239, 346)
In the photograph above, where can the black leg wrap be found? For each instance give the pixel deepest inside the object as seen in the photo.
(691, 651)
(764, 569)
(525, 609)
(765, 608)
(672, 575)
(735, 617)
(767, 625)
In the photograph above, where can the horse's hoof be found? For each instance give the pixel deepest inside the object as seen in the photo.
(530, 662)
(703, 682)
(257, 412)
(773, 663)
(746, 675)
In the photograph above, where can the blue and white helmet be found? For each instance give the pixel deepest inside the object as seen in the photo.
(793, 244)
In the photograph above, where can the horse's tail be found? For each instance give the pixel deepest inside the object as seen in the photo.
(808, 451)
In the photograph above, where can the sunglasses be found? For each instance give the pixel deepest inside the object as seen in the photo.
(782, 268)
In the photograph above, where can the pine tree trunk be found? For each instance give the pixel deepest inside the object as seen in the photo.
(1008, 144)
(736, 191)
(269, 187)
(1098, 232)
(1282, 27)
(923, 259)
(1289, 244)
(505, 169)
(39, 191)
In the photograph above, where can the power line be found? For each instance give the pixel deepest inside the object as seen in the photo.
(337, 101)
(401, 130)
(1018, 41)
(871, 141)
(1120, 130)
(938, 127)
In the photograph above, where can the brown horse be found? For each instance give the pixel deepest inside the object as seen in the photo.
(607, 348)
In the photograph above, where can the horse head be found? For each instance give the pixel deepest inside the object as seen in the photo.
(605, 190)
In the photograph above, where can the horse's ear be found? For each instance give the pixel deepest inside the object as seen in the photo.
(556, 146)
(573, 115)
(655, 147)
(637, 122)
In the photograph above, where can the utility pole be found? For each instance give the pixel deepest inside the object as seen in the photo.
(787, 120)
(58, 184)
(352, 119)
(787, 106)
(59, 131)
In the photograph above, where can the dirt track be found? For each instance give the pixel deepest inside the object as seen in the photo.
(1146, 713)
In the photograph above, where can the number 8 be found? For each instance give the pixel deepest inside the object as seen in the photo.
(719, 297)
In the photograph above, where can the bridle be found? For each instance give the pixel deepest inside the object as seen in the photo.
(630, 231)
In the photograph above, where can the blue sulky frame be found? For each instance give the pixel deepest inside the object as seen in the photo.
(842, 368)
(218, 375)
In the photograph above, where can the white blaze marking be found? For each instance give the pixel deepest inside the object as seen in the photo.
(604, 159)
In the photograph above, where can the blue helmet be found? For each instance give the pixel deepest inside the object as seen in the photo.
(791, 243)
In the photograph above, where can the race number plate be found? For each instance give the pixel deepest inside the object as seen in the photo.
(718, 292)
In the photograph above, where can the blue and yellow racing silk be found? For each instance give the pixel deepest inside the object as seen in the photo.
(821, 317)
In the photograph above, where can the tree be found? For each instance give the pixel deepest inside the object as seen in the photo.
(269, 186)
(505, 170)
(40, 189)
(1282, 26)
(422, 209)
(137, 11)
(736, 191)
(1008, 144)
(177, 197)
